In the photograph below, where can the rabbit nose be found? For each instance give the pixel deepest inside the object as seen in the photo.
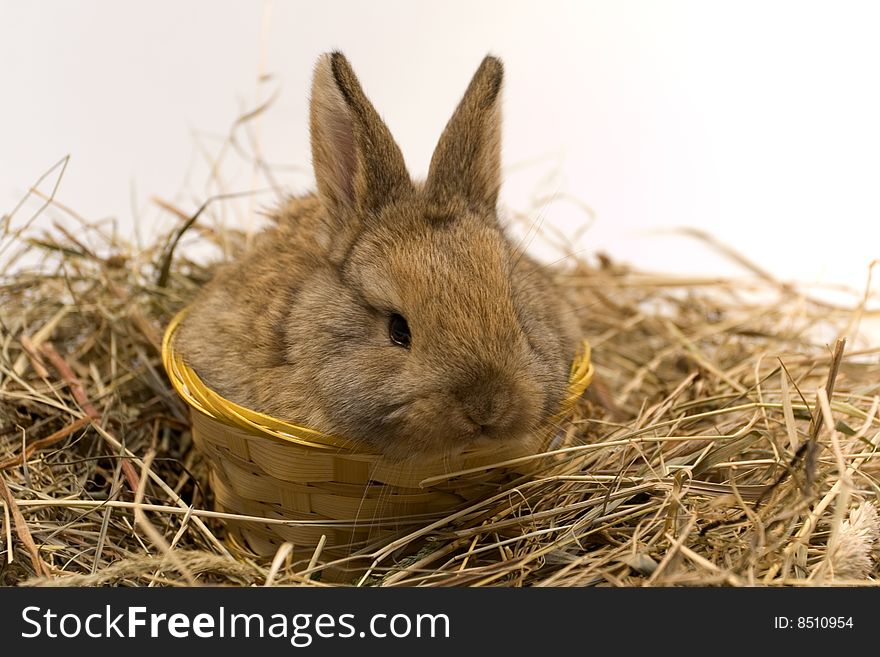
(484, 406)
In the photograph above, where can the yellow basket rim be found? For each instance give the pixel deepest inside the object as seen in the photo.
(203, 399)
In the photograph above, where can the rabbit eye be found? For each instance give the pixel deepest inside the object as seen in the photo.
(398, 330)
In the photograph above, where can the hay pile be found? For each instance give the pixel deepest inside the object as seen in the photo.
(726, 440)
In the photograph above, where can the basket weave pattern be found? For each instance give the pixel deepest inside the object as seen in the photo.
(264, 467)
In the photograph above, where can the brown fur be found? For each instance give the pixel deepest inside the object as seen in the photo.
(298, 327)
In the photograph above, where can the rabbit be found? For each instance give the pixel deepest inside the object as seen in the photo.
(393, 313)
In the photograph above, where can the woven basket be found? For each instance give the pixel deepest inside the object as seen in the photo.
(264, 467)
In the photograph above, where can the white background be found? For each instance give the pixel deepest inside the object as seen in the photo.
(756, 121)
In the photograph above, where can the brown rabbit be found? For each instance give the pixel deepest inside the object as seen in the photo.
(392, 313)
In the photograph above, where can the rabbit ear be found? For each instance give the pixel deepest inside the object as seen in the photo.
(358, 166)
(467, 160)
